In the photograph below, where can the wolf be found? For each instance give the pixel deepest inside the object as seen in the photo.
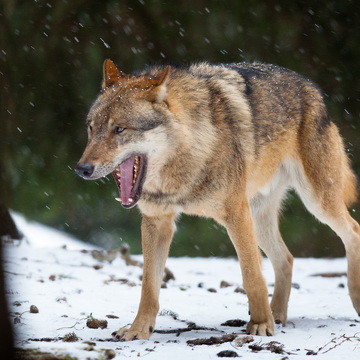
(227, 142)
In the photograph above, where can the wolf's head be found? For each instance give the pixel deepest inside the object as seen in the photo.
(127, 125)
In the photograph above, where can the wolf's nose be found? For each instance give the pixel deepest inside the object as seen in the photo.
(84, 170)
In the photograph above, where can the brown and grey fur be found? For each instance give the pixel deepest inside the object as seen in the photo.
(226, 142)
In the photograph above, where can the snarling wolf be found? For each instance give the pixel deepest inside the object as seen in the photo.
(227, 142)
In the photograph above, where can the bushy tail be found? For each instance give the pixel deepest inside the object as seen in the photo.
(350, 191)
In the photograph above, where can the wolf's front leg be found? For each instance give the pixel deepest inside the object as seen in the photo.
(157, 233)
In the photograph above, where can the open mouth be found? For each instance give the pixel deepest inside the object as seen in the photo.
(129, 177)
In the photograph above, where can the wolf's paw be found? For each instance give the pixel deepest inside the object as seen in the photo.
(125, 334)
(280, 316)
(262, 329)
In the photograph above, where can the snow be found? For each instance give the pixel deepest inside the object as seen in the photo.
(68, 285)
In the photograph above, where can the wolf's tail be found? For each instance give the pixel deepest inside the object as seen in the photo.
(350, 190)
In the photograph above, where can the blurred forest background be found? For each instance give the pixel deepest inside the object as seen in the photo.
(51, 56)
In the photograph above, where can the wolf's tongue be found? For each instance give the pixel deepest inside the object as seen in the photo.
(127, 175)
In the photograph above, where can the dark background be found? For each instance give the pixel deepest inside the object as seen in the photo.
(51, 55)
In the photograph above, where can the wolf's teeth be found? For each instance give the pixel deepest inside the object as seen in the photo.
(137, 163)
(130, 200)
(136, 169)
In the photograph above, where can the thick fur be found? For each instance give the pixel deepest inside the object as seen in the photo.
(226, 142)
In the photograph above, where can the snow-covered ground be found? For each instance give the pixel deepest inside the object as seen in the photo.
(69, 286)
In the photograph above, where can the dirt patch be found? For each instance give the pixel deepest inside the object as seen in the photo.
(112, 316)
(273, 346)
(34, 354)
(70, 337)
(240, 290)
(227, 353)
(95, 323)
(234, 323)
(46, 339)
(213, 340)
(225, 284)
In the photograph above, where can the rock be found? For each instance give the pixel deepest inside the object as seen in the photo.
(95, 323)
(34, 309)
(227, 353)
(225, 284)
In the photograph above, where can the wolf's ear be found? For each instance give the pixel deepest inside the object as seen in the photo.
(111, 74)
(159, 82)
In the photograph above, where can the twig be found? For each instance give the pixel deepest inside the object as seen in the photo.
(70, 327)
(191, 326)
(18, 315)
(334, 340)
(12, 273)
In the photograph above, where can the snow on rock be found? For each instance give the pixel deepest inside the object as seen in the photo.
(69, 287)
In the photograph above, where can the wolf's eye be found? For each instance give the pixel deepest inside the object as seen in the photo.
(118, 129)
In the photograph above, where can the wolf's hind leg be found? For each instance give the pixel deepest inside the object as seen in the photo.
(334, 213)
(326, 185)
(264, 209)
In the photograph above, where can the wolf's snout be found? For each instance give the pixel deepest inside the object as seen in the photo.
(84, 170)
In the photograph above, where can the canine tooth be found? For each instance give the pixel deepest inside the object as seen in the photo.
(118, 199)
(131, 200)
